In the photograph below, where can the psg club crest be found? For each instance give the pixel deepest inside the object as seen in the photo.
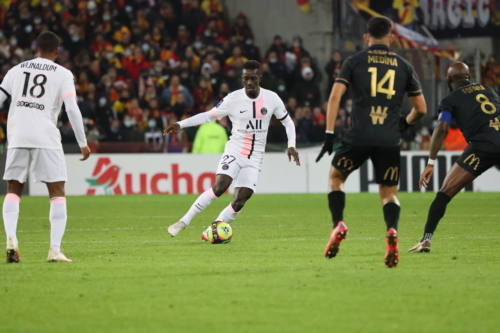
(263, 111)
(225, 167)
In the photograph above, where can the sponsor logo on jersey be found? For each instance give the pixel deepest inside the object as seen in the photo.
(495, 124)
(378, 115)
(473, 159)
(32, 105)
(263, 111)
(392, 173)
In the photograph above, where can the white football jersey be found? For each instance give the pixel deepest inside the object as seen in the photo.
(250, 118)
(37, 88)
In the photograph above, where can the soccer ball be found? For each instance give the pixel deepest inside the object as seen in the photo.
(220, 232)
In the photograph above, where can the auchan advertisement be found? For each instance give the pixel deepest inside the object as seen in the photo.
(126, 174)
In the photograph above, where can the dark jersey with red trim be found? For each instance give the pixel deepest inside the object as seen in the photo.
(379, 79)
(476, 109)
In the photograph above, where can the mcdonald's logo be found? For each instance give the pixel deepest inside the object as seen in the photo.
(473, 159)
(394, 173)
(378, 115)
(347, 162)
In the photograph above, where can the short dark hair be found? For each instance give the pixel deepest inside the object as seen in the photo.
(252, 64)
(379, 27)
(47, 42)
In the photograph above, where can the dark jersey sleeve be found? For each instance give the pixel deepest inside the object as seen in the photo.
(446, 105)
(413, 87)
(345, 73)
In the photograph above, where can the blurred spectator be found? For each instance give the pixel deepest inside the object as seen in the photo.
(303, 125)
(193, 17)
(241, 30)
(153, 134)
(268, 81)
(297, 49)
(491, 72)
(250, 51)
(209, 5)
(211, 138)
(236, 60)
(276, 66)
(179, 108)
(278, 47)
(423, 138)
(169, 95)
(135, 63)
(282, 93)
(332, 69)
(130, 130)
(202, 95)
(307, 91)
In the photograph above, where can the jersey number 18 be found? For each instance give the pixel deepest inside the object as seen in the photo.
(37, 82)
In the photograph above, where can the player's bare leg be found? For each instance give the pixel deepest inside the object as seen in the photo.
(229, 214)
(58, 218)
(456, 179)
(10, 217)
(390, 202)
(222, 183)
(336, 203)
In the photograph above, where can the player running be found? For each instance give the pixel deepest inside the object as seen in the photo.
(250, 110)
(476, 109)
(37, 89)
(379, 79)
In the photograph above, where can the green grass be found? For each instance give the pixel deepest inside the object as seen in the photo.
(129, 276)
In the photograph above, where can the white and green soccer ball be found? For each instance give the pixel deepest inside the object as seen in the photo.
(220, 232)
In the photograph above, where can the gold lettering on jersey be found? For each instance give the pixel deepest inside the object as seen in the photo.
(473, 159)
(495, 124)
(393, 171)
(375, 59)
(378, 115)
(471, 89)
(348, 163)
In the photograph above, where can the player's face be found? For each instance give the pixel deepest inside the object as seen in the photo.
(251, 79)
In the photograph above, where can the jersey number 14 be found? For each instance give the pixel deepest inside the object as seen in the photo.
(38, 83)
(378, 87)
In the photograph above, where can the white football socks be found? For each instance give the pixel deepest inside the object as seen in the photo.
(203, 201)
(11, 215)
(228, 214)
(58, 219)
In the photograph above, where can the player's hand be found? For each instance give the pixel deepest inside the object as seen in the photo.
(292, 152)
(85, 152)
(426, 176)
(171, 128)
(403, 124)
(327, 146)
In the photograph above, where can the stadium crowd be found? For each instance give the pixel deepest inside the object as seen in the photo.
(142, 64)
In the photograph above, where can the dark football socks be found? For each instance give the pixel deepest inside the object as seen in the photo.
(336, 202)
(436, 213)
(391, 215)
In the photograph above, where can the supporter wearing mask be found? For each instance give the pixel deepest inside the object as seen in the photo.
(277, 67)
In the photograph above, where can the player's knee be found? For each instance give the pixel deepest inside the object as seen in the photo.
(240, 199)
(220, 187)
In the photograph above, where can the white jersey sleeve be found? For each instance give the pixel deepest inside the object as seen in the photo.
(5, 87)
(223, 108)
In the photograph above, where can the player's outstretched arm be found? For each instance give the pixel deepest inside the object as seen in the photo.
(418, 111)
(199, 119)
(436, 144)
(332, 110)
(291, 136)
(75, 118)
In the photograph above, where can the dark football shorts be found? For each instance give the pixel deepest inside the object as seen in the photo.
(476, 162)
(386, 161)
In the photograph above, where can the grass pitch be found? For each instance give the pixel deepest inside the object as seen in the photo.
(128, 275)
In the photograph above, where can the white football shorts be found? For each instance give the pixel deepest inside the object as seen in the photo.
(48, 165)
(244, 171)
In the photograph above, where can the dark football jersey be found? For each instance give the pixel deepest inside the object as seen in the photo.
(379, 79)
(476, 110)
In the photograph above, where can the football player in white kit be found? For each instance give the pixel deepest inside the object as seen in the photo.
(250, 110)
(37, 89)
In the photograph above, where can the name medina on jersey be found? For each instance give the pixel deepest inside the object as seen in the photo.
(32, 105)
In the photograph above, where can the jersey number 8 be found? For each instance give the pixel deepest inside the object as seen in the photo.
(379, 87)
(37, 83)
(484, 101)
